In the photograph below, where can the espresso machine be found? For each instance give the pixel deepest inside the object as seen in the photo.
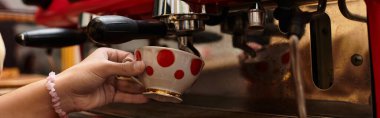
(297, 77)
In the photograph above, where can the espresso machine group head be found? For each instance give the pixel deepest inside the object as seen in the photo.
(179, 20)
(182, 20)
(175, 19)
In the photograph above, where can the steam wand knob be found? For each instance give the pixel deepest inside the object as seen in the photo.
(256, 17)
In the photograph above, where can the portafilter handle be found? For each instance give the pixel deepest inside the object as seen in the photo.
(51, 38)
(115, 29)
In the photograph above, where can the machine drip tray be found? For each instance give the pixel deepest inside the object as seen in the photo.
(198, 106)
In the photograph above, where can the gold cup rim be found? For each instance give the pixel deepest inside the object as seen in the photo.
(163, 92)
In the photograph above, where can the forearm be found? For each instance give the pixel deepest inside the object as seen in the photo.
(31, 101)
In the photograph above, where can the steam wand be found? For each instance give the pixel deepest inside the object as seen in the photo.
(292, 21)
(297, 28)
(296, 68)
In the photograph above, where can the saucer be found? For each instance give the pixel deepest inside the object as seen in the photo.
(162, 95)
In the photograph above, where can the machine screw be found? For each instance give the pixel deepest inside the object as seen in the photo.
(357, 59)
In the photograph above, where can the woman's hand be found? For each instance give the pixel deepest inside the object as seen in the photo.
(92, 83)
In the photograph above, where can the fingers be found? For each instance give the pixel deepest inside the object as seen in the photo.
(109, 62)
(113, 55)
(130, 98)
(129, 86)
(119, 55)
(127, 69)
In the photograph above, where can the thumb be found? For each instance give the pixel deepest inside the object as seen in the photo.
(128, 68)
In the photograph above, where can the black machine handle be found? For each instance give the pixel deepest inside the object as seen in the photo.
(321, 50)
(42, 3)
(51, 38)
(118, 29)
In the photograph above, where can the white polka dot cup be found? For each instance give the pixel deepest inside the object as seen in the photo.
(168, 73)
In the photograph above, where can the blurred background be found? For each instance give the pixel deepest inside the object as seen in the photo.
(20, 59)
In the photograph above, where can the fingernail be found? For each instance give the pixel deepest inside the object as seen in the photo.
(138, 65)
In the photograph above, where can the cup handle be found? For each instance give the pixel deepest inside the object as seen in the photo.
(137, 80)
(130, 78)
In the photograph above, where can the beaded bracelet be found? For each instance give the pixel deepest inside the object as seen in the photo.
(55, 98)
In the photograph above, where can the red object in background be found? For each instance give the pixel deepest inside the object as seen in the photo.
(62, 13)
(373, 15)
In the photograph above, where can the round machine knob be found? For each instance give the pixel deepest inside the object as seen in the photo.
(256, 17)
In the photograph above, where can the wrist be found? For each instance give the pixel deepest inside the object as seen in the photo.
(38, 102)
(62, 90)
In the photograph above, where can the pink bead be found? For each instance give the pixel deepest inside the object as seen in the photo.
(57, 104)
(48, 87)
(53, 94)
(59, 111)
(55, 98)
(52, 74)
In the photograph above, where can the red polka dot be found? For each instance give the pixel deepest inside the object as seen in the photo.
(149, 70)
(165, 58)
(138, 55)
(285, 58)
(196, 65)
(179, 74)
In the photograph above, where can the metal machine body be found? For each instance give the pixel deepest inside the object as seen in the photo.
(244, 19)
